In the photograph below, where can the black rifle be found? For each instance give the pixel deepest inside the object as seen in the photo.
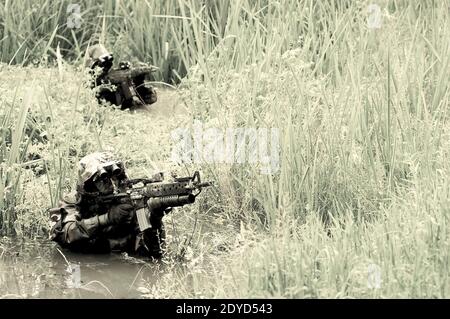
(155, 196)
(124, 86)
(131, 88)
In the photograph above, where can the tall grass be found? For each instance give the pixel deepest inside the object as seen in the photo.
(36, 146)
(148, 31)
(363, 116)
(154, 31)
(10, 156)
(352, 119)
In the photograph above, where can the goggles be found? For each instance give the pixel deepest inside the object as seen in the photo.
(103, 61)
(108, 170)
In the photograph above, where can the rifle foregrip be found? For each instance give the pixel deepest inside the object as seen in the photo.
(170, 201)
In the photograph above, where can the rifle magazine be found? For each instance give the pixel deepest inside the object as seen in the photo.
(143, 220)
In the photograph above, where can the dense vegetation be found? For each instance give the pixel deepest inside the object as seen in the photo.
(364, 178)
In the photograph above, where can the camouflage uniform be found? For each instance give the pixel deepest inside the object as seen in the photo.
(79, 224)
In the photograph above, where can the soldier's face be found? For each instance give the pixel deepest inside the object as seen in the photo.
(107, 185)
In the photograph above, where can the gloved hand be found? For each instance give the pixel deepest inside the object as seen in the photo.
(121, 214)
(156, 217)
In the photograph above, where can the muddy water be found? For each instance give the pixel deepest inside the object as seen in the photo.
(40, 269)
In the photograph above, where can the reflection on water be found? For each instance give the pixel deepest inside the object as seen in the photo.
(39, 269)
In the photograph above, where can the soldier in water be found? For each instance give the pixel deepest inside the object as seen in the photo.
(81, 224)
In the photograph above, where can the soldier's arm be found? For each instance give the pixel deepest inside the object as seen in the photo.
(71, 231)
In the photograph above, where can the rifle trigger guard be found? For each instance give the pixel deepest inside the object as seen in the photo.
(199, 191)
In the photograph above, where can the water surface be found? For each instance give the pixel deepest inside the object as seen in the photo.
(41, 269)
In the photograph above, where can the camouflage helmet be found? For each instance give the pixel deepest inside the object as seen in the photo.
(98, 55)
(96, 165)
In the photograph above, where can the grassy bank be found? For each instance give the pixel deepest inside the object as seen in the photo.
(364, 141)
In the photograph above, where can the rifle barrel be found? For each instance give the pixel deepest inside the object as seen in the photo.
(170, 201)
